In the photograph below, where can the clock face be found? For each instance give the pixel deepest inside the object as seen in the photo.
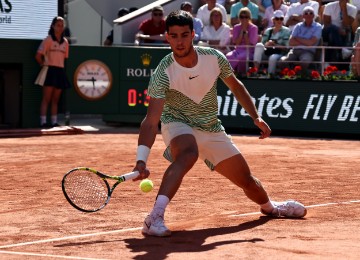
(92, 80)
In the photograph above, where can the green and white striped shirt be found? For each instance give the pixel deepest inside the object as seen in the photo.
(191, 93)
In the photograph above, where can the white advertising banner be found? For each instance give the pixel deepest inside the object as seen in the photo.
(26, 19)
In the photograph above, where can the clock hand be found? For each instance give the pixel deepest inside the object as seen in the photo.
(93, 81)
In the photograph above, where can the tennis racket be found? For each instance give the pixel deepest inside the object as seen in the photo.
(88, 190)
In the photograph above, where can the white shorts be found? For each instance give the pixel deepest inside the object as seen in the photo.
(213, 147)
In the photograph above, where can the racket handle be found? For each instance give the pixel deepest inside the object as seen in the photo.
(130, 175)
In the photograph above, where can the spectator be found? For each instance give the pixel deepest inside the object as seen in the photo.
(356, 23)
(305, 34)
(110, 38)
(152, 30)
(355, 58)
(51, 55)
(267, 21)
(263, 4)
(295, 11)
(218, 32)
(132, 9)
(198, 25)
(203, 12)
(235, 8)
(245, 36)
(338, 17)
(275, 36)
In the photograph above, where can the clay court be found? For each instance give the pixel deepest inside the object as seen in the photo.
(210, 217)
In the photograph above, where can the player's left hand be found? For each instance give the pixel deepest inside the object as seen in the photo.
(264, 127)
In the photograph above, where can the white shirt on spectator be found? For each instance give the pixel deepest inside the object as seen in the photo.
(269, 13)
(356, 3)
(333, 10)
(223, 34)
(203, 14)
(297, 9)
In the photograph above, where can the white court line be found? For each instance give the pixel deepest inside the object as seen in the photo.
(310, 206)
(70, 237)
(47, 255)
(139, 228)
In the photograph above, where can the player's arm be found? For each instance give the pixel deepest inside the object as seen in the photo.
(243, 97)
(147, 135)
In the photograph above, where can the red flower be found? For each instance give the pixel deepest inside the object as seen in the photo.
(297, 69)
(291, 73)
(331, 69)
(253, 70)
(315, 74)
(284, 72)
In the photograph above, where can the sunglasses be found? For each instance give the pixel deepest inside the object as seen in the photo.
(279, 18)
(244, 17)
(308, 13)
(157, 14)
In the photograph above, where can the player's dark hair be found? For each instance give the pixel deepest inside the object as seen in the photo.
(52, 32)
(180, 18)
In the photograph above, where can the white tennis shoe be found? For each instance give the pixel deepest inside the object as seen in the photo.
(155, 226)
(288, 209)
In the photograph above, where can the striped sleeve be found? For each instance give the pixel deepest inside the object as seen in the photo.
(159, 81)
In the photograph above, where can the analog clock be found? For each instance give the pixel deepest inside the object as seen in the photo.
(92, 80)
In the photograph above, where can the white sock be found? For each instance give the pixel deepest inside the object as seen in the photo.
(160, 204)
(267, 207)
(42, 120)
(54, 119)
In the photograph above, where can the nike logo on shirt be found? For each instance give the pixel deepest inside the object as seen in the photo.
(193, 77)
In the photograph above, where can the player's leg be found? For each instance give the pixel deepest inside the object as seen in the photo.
(219, 149)
(184, 154)
(236, 170)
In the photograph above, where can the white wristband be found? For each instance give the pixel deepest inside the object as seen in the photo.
(142, 153)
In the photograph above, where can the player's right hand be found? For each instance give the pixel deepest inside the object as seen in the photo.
(141, 168)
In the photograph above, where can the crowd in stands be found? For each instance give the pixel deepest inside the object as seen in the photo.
(271, 34)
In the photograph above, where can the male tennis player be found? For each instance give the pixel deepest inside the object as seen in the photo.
(183, 96)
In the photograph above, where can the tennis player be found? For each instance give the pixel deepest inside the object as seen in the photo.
(183, 96)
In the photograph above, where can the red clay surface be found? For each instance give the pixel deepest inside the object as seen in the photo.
(210, 217)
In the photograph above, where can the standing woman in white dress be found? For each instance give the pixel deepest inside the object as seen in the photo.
(217, 33)
(51, 55)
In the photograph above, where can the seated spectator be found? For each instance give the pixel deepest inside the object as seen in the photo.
(356, 23)
(305, 34)
(295, 11)
(110, 38)
(267, 21)
(235, 8)
(278, 35)
(203, 12)
(355, 58)
(338, 17)
(198, 25)
(218, 32)
(263, 4)
(133, 9)
(152, 30)
(245, 36)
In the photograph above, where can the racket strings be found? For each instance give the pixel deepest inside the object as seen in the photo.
(86, 190)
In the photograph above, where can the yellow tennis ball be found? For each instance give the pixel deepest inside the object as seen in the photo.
(146, 185)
